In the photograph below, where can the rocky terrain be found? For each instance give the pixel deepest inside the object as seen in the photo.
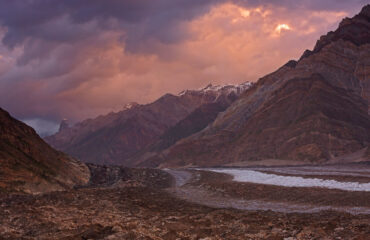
(122, 203)
(117, 137)
(28, 164)
(314, 110)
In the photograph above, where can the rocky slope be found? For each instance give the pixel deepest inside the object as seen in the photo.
(310, 111)
(117, 137)
(192, 123)
(30, 165)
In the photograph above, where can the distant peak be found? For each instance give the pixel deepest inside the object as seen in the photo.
(63, 124)
(130, 105)
(355, 30)
(291, 63)
(365, 11)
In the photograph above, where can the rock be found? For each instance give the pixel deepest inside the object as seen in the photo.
(117, 228)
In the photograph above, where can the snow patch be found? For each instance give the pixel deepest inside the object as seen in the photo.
(221, 89)
(241, 175)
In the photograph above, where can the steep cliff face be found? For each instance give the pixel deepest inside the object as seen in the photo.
(28, 164)
(311, 110)
(117, 137)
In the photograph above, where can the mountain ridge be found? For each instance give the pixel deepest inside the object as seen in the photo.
(114, 138)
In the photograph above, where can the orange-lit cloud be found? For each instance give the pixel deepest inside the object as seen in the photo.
(78, 64)
(282, 27)
(245, 13)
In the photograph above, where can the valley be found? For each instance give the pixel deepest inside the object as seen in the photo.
(282, 157)
(122, 203)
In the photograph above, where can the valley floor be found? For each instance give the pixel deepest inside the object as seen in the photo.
(287, 189)
(122, 203)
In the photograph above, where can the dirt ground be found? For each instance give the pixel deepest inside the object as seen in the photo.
(142, 204)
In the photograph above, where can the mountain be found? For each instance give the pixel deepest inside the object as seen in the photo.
(28, 164)
(192, 123)
(314, 110)
(117, 137)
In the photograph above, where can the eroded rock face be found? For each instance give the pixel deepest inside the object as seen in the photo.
(117, 137)
(311, 110)
(28, 164)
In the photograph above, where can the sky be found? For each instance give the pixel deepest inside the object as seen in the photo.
(77, 59)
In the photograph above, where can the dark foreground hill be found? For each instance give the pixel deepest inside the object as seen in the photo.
(28, 164)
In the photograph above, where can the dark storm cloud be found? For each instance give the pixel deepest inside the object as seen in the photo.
(140, 19)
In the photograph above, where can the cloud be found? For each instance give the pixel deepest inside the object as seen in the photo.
(42, 127)
(65, 21)
(81, 58)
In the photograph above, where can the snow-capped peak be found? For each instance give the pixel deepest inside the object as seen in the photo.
(221, 89)
(130, 105)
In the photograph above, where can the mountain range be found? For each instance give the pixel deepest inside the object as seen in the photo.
(117, 137)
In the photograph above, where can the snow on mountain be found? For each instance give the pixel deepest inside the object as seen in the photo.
(220, 89)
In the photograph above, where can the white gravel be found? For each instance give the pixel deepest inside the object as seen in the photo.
(243, 175)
